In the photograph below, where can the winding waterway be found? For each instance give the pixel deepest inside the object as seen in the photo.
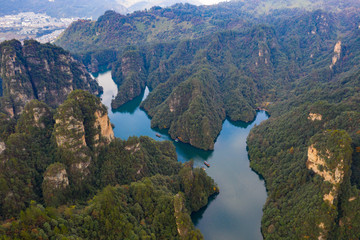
(236, 212)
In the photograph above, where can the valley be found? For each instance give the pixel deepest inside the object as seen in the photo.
(191, 77)
(236, 211)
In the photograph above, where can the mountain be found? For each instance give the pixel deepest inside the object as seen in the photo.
(81, 8)
(116, 31)
(39, 71)
(184, 21)
(308, 152)
(63, 174)
(244, 60)
(268, 6)
(142, 5)
(296, 59)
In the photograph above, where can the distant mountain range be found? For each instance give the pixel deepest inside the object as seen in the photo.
(82, 8)
(95, 8)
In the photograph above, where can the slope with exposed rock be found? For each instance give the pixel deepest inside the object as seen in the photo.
(39, 71)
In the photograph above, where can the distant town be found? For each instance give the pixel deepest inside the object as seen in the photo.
(29, 25)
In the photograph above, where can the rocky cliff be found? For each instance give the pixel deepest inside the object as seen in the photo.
(332, 175)
(81, 125)
(330, 157)
(193, 112)
(39, 71)
(129, 75)
(183, 222)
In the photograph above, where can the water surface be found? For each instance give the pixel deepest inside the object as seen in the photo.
(236, 212)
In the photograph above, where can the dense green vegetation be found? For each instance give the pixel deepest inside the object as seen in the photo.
(141, 210)
(250, 61)
(203, 64)
(297, 59)
(278, 150)
(56, 185)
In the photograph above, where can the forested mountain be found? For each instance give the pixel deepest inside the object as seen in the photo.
(246, 66)
(267, 6)
(64, 175)
(39, 71)
(297, 59)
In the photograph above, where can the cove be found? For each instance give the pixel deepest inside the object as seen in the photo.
(236, 212)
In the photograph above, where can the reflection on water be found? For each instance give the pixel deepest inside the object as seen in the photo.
(133, 105)
(197, 216)
(236, 212)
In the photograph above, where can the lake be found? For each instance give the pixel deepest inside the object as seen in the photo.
(236, 212)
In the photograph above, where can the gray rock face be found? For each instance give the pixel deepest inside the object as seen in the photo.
(40, 71)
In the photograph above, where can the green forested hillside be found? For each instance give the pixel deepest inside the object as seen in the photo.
(250, 61)
(290, 57)
(296, 59)
(63, 175)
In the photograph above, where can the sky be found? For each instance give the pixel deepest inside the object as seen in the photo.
(210, 2)
(128, 3)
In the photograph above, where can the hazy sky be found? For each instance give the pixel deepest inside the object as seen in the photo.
(209, 2)
(129, 3)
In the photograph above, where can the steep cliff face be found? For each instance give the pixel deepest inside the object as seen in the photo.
(334, 176)
(16, 82)
(330, 157)
(193, 112)
(69, 127)
(102, 121)
(81, 125)
(336, 56)
(40, 71)
(129, 74)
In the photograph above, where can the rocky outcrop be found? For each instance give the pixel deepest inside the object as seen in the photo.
(102, 122)
(17, 84)
(337, 52)
(36, 115)
(81, 126)
(70, 133)
(55, 184)
(183, 222)
(40, 71)
(56, 176)
(129, 74)
(329, 156)
(133, 148)
(332, 175)
(2, 147)
(174, 103)
(322, 232)
(315, 117)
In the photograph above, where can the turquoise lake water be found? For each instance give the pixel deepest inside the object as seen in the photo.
(236, 212)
